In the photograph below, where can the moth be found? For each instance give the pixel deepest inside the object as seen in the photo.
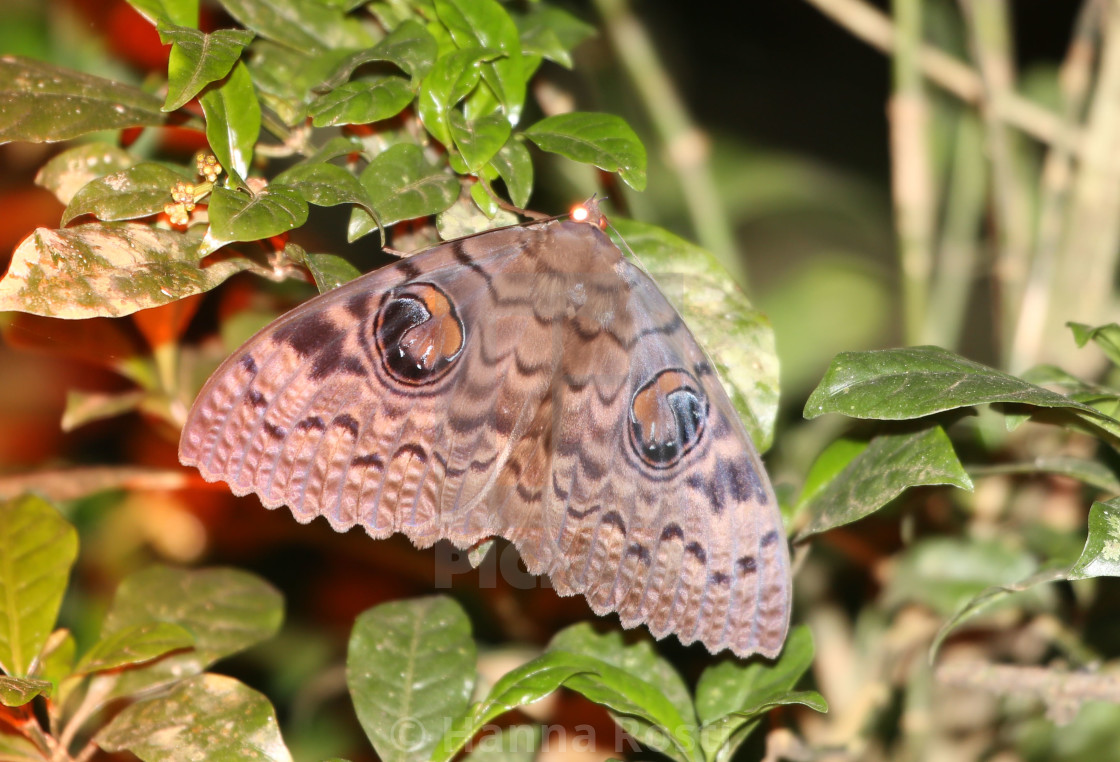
(529, 383)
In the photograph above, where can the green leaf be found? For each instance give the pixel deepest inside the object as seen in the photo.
(1091, 472)
(1101, 556)
(402, 185)
(289, 81)
(478, 140)
(464, 218)
(233, 120)
(240, 216)
(452, 77)
(731, 695)
(16, 748)
(517, 743)
(181, 12)
(410, 47)
(226, 610)
(306, 25)
(362, 102)
(515, 166)
(410, 665)
(1107, 337)
(528, 683)
(945, 572)
(603, 140)
(134, 644)
(64, 175)
(57, 658)
(891, 464)
(17, 691)
(665, 719)
(828, 465)
(211, 717)
(108, 270)
(40, 102)
(37, 549)
(325, 185)
(551, 33)
(86, 407)
(485, 24)
(139, 191)
(330, 271)
(988, 598)
(197, 59)
(899, 384)
(737, 337)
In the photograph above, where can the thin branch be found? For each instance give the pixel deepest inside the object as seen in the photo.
(951, 74)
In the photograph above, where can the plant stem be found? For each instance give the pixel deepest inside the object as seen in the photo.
(685, 147)
(949, 73)
(988, 24)
(910, 182)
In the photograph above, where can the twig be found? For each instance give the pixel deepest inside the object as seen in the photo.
(949, 73)
(686, 148)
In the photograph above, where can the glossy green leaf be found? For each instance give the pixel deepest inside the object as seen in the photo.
(452, 77)
(134, 644)
(402, 185)
(362, 102)
(551, 33)
(330, 271)
(241, 216)
(899, 384)
(410, 666)
(603, 140)
(669, 727)
(515, 166)
(108, 270)
(41, 102)
(181, 12)
(197, 59)
(68, 172)
(410, 47)
(891, 464)
(17, 691)
(1101, 556)
(478, 140)
(306, 25)
(210, 717)
(731, 694)
(520, 686)
(945, 572)
(324, 185)
(737, 337)
(139, 191)
(233, 120)
(288, 81)
(486, 24)
(37, 549)
(828, 465)
(464, 218)
(1107, 337)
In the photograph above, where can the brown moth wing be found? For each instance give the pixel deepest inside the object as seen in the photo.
(527, 383)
